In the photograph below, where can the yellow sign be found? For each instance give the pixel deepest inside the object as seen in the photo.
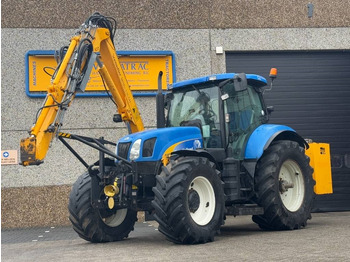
(141, 70)
(9, 157)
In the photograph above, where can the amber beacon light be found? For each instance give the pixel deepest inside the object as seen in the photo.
(273, 73)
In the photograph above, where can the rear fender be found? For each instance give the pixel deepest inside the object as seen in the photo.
(264, 135)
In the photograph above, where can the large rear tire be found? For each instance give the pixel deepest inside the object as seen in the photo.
(96, 225)
(189, 201)
(284, 187)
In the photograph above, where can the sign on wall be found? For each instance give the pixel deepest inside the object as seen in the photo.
(9, 157)
(141, 69)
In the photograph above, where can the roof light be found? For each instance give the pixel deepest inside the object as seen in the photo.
(211, 78)
(273, 73)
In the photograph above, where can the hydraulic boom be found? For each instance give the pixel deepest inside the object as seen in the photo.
(92, 44)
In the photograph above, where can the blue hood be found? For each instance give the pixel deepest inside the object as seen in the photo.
(167, 139)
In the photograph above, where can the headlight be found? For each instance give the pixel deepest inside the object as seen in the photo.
(135, 149)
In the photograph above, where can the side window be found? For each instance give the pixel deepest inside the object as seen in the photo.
(243, 112)
(240, 110)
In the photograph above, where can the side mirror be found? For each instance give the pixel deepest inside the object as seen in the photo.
(270, 109)
(240, 82)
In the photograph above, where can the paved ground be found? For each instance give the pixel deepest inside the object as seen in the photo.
(327, 238)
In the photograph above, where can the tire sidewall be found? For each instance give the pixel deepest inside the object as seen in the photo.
(295, 155)
(210, 174)
(283, 151)
(90, 225)
(128, 221)
(171, 205)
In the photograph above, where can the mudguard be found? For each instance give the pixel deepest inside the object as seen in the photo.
(262, 137)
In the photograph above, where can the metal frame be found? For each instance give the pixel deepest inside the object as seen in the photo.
(98, 144)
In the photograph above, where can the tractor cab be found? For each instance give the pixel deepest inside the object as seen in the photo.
(227, 108)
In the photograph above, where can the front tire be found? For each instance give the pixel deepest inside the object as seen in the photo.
(189, 201)
(93, 224)
(284, 187)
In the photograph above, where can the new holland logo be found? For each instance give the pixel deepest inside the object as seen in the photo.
(197, 144)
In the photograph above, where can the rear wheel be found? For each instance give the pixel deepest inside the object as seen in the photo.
(189, 201)
(284, 187)
(93, 224)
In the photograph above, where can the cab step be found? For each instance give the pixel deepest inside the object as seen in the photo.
(246, 209)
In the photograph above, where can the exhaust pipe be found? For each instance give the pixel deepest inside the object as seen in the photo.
(160, 103)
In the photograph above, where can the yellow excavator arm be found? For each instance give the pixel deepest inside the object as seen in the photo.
(92, 44)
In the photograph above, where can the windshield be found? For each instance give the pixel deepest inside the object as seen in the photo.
(197, 105)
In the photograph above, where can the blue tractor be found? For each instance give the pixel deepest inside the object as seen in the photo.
(212, 155)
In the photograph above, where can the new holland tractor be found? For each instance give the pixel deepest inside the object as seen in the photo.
(213, 153)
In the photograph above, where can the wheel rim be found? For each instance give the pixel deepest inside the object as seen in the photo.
(116, 219)
(291, 185)
(201, 200)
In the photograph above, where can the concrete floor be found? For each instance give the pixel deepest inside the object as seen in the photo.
(326, 238)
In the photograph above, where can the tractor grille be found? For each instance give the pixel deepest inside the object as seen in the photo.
(123, 149)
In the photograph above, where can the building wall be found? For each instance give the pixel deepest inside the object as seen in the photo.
(178, 14)
(191, 29)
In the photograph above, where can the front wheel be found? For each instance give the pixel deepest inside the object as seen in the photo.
(189, 200)
(284, 187)
(97, 225)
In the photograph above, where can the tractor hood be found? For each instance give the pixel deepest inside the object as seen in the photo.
(152, 145)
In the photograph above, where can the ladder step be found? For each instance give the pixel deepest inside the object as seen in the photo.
(241, 210)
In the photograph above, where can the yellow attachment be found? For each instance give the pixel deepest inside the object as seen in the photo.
(28, 146)
(61, 71)
(114, 77)
(34, 148)
(109, 81)
(110, 202)
(49, 120)
(111, 190)
(320, 161)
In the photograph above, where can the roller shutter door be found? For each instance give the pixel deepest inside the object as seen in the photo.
(312, 95)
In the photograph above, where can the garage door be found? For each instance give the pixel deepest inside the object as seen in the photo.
(312, 95)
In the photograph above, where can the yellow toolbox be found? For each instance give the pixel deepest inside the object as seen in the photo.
(320, 161)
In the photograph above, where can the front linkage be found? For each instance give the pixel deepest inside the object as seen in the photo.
(117, 180)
